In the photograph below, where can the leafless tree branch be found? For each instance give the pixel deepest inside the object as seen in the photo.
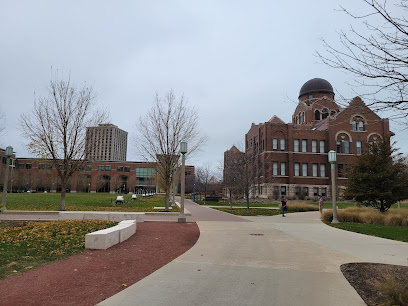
(56, 129)
(159, 133)
(378, 61)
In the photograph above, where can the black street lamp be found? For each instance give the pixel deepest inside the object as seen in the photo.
(9, 153)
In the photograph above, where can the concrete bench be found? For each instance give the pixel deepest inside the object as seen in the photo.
(104, 239)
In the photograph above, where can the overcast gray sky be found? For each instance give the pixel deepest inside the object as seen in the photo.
(238, 62)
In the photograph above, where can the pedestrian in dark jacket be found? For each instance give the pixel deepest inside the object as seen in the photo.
(283, 206)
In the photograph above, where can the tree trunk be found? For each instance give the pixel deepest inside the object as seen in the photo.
(63, 192)
(166, 206)
(230, 198)
(247, 201)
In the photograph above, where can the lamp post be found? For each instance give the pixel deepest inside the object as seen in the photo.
(183, 151)
(9, 153)
(332, 161)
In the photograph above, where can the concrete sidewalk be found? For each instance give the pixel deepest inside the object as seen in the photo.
(269, 261)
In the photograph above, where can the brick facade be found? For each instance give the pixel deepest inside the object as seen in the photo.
(98, 176)
(291, 158)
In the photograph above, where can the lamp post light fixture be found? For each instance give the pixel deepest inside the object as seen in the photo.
(9, 153)
(183, 151)
(332, 161)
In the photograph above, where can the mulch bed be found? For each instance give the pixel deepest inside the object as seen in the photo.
(94, 275)
(363, 277)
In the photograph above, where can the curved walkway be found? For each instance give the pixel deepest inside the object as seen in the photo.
(262, 261)
(269, 261)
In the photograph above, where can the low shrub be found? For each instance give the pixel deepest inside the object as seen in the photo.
(368, 215)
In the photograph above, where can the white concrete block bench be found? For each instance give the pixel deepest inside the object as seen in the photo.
(104, 239)
(101, 215)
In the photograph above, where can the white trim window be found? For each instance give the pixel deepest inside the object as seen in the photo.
(275, 168)
(275, 144)
(304, 145)
(322, 146)
(304, 169)
(323, 170)
(314, 146)
(282, 144)
(283, 168)
(314, 168)
(297, 169)
(296, 145)
(358, 147)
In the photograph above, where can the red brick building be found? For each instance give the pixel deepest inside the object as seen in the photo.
(291, 158)
(97, 176)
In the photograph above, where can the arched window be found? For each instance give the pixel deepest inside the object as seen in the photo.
(343, 143)
(357, 124)
(297, 120)
(354, 125)
(332, 113)
(325, 113)
(300, 118)
(317, 115)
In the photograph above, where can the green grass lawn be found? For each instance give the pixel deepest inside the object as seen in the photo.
(328, 205)
(32, 244)
(81, 201)
(252, 211)
(399, 233)
(238, 204)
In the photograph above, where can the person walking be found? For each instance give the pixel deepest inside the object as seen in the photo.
(321, 205)
(283, 206)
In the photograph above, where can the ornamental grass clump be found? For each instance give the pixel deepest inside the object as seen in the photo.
(299, 207)
(396, 292)
(395, 217)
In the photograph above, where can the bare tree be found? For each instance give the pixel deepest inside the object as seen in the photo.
(56, 129)
(203, 179)
(159, 132)
(375, 52)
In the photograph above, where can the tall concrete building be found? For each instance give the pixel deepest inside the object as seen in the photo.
(106, 142)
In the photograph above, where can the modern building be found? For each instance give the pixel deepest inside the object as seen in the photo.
(96, 176)
(290, 159)
(106, 142)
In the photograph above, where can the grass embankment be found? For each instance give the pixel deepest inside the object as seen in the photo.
(399, 233)
(328, 205)
(32, 244)
(392, 224)
(81, 202)
(293, 207)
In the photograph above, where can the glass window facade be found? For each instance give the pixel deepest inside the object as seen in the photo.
(145, 172)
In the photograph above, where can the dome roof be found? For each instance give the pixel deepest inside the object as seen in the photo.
(316, 85)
